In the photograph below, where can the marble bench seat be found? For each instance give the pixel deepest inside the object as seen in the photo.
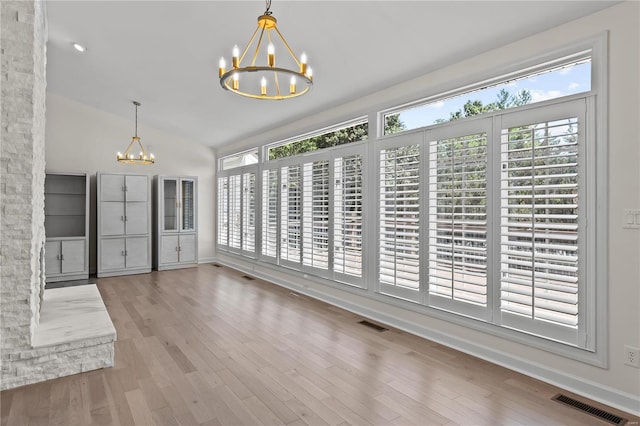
(71, 314)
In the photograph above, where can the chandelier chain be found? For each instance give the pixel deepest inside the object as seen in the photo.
(268, 11)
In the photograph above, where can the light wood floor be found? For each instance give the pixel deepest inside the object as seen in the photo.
(206, 346)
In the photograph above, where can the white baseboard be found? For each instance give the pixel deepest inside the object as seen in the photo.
(598, 392)
(206, 260)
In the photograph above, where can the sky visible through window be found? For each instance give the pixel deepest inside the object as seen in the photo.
(549, 85)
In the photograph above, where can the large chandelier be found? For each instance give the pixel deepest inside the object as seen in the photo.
(266, 81)
(129, 157)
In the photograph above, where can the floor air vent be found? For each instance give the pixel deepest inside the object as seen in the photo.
(376, 327)
(596, 412)
(247, 277)
(217, 265)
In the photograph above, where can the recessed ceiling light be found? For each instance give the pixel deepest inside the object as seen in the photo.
(79, 47)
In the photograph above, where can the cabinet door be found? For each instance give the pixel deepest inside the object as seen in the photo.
(137, 188)
(52, 258)
(187, 204)
(73, 256)
(188, 249)
(111, 188)
(112, 254)
(137, 218)
(137, 249)
(169, 249)
(112, 218)
(170, 204)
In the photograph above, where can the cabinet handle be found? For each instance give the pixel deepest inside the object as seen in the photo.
(123, 253)
(125, 218)
(58, 256)
(122, 218)
(62, 256)
(179, 248)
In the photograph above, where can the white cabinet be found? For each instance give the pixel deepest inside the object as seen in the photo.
(66, 223)
(124, 224)
(176, 222)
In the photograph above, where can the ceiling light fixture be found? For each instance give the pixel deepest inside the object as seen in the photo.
(266, 81)
(79, 47)
(142, 157)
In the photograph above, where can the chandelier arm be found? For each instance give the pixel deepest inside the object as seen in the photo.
(275, 77)
(128, 150)
(287, 46)
(244, 52)
(142, 146)
(255, 54)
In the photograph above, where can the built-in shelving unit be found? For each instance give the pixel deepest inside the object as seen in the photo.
(124, 224)
(66, 224)
(176, 236)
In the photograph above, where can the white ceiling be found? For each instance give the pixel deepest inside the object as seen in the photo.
(165, 54)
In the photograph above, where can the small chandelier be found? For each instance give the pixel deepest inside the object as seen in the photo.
(129, 157)
(266, 81)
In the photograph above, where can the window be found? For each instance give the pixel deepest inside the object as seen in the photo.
(347, 216)
(223, 211)
(270, 197)
(240, 159)
(567, 76)
(542, 261)
(291, 215)
(457, 206)
(353, 131)
(237, 211)
(529, 254)
(479, 218)
(399, 267)
(316, 215)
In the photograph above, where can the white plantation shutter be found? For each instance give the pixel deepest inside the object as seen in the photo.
(270, 214)
(458, 221)
(399, 243)
(347, 218)
(249, 213)
(235, 218)
(223, 211)
(291, 215)
(315, 233)
(540, 228)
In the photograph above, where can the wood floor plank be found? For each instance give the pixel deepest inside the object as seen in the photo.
(139, 409)
(203, 346)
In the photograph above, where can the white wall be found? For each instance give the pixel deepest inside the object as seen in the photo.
(618, 385)
(79, 138)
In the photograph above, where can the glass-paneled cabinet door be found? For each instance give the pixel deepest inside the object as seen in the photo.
(187, 204)
(170, 204)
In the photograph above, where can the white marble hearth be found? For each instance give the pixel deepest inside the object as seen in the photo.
(71, 314)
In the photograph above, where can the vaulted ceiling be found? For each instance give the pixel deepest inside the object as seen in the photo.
(165, 53)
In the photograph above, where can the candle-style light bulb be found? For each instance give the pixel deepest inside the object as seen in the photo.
(310, 73)
(235, 83)
(236, 56)
(141, 154)
(151, 156)
(222, 67)
(119, 155)
(130, 156)
(263, 86)
(303, 63)
(271, 54)
(292, 85)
